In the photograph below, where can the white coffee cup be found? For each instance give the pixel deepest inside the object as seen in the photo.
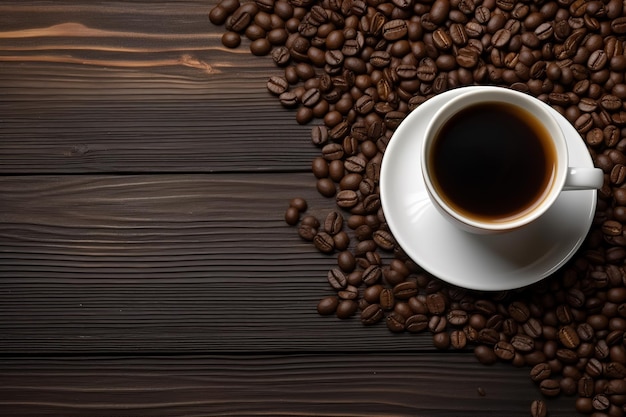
(560, 177)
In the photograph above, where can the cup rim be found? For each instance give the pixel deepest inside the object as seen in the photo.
(515, 98)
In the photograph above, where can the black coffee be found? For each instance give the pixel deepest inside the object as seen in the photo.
(492, 161)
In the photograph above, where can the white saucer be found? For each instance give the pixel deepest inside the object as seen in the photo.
(481, 262)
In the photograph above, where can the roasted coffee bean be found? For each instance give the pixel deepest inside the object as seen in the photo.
(488, 336)
(485, 355)
(307, 232)
(522, 343)
(347, 198)
(346, 309)
(346, 261)
(457, 339)
(372, 274)
(441, 340)
(457, 317)
(594, 368)
(417, 323)
(615, 370)
(395, 322)
(568, 337)
(277, 85)
(586, 387)
(538, 408)
(361, 67)
(349, 293)
(405, 290)
(519, 311)
(324, 242)
(618, 25)
(436, 303)
(550, 387)
(292, 215)
(372, 314)
(383, 239)
(618, 174)
(231, 39)
(386, 299)
(437, 324)
(540, 372)
(533, 328)
(337, 279)
(600, 402)
(327, 305)
(504, 350)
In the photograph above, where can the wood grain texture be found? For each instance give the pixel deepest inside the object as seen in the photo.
(422, 385)
(167, 263)
(136, 87)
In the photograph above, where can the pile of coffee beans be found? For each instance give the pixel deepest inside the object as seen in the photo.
(356, 68)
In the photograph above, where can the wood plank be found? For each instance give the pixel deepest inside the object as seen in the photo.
(437, 385)
(172, 263)
(136, 87)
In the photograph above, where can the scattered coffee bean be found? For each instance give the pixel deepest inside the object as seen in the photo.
(346, 309)
(372, 314)
(327, 305)
(538, 409)
(359, 68)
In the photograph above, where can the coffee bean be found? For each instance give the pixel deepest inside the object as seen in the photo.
(372, 314)
(289, 99)
(260, 47)
(533, 328)
(360, 68)
(568, 337)
(346, 309)
(586, 387)
(231, 39)
(504, 350)
(405, 290)
(351, 292)
(615, 370)
(395, 322)
(383, 239)
(540, 372)
(538, 408)
(324, 242)
(550, 387)
(610, 102)
(457, 317)
(394, 29)
(441, 340)
(436, 303)
(347, 198)
(519, 311)
(372, 274)
(326, 187)
(594, 368)
(327, 305)
(618, 25)
(488, 336)
(485, 355)
(386, 299)
(337, 279)
(416, 323)
(522, 343)
(618, 174)
(437, 324)
(307, 232)
(600, 402)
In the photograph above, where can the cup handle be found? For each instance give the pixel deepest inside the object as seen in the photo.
(583, 178)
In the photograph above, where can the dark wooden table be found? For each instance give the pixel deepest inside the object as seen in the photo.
(145, 266)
